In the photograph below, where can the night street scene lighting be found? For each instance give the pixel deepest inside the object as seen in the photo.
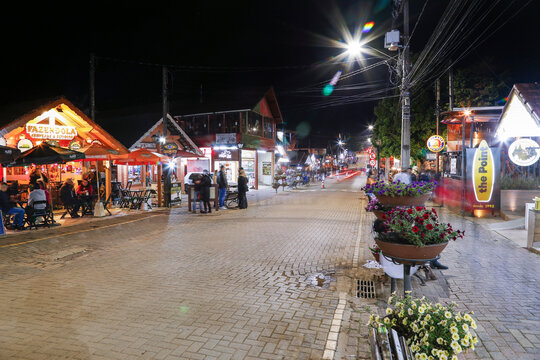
(270, 179)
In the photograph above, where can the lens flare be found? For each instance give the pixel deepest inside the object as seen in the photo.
(368, 26)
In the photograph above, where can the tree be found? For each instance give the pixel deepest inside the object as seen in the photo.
(475, 85)
(388, 124)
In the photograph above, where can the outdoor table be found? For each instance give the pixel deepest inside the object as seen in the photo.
(407, 263)
(137, 198)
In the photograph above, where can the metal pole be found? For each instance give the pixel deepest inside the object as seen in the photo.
(451, 88)
(472, 131)
(405, 95)
(437, 117)
(463, 165)
(378, 165)
(93, 87)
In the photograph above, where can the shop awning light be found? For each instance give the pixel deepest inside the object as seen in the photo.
(261, 151)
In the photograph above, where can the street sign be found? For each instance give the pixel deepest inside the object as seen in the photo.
(431, 156)
(372, 156)
(435, 143)
(372, 162)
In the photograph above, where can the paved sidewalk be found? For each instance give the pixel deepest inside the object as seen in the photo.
(498, 280)
(231, 285)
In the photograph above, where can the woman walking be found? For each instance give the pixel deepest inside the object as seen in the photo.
(242, 189)
(206, 182)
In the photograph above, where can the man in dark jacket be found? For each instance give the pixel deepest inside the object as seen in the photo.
(7, 208)
(222, 182)
(69, 200)
(206, 182)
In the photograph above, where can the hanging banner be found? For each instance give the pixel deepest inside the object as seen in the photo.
(483, 175)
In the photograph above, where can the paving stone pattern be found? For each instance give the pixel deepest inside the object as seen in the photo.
(227, 286)
(496, 279)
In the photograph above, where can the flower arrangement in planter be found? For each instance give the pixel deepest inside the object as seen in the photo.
(375, 251)
(279, 179)
(377, 208)
(401, 194)
(433, 331)
(414, 233)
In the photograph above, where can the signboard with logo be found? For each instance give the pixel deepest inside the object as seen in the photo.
(483, 172)
(226, 139)
(435, 143)
(169, 148)
(51, 132)
(524, 152)
(431, 156)
(24, 145)
(75, 145)
(226, 155)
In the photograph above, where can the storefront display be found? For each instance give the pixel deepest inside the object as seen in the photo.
(248, 163)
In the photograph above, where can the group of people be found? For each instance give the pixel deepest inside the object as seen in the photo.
(39, 198)
(202, 190)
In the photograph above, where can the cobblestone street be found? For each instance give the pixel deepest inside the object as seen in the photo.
(236, 284)
(228, 285)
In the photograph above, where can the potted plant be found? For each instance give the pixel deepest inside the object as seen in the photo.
(377, 208)
(414, 233)
(432, 331)
(401, 194)
(375, 251)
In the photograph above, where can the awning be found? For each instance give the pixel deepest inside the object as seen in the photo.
(44, 153)
(97, 151)
(8, 154)
(140, 157)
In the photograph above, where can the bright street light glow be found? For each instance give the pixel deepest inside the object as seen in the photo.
(354, 49)
(370, 127)
(340, 142)
(467, 112)
(369, 139)
(162, 139)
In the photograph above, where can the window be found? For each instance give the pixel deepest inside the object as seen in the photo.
(254, 124)
(232, 123)
(268, 128)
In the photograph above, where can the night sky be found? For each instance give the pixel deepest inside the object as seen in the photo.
(47, 47)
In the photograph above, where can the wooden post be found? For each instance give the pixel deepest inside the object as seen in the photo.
(108, 179)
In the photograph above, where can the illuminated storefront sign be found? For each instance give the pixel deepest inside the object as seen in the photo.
(24, 145)
(524, 152)
(51, 132)
(435, 143)
(483, 173)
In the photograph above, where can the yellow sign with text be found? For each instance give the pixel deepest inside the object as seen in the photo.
(483, 175)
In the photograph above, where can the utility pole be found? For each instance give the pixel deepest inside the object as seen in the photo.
(405, 94)
(165, 114)
(93, 86)
(451, 88)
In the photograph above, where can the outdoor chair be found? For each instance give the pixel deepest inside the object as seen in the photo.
(33, 214)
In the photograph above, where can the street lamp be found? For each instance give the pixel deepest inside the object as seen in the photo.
(354, 49)
(370, 127)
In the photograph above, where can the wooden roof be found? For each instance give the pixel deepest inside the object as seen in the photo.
(18, 115)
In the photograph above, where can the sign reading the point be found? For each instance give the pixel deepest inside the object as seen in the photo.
(435, 143)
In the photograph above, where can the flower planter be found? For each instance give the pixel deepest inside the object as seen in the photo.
(404, 200)
(379, 214)
(376, 256)
(405, 251)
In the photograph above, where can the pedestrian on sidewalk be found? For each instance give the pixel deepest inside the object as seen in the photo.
(206, 182)
(242, 189)
(223, 185)
(197, 194)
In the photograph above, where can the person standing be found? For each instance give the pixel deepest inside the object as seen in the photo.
(197, 194)
(9, 209)
(206, 182)
(36, 175)
(223, 184)
(242, 189)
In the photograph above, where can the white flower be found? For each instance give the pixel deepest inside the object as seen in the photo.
(453, 330)
(455, 336)
(410, 311)
(465, 327)
(388, 311)
(448, 314)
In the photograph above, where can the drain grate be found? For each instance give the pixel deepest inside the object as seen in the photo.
(365, 289)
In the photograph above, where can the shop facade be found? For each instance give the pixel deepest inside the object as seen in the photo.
(60, 123)
(241, 135)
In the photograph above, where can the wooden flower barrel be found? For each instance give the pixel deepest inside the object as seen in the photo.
(403, 200)
(413, 252)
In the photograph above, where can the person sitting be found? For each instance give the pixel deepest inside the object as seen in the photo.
(69, 199)
(36, 194)
(8, 209)
(85, 189)
(41, 185)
